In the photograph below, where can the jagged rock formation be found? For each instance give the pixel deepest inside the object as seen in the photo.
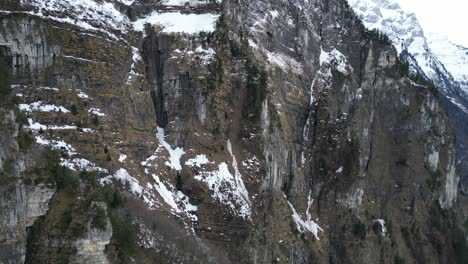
(237, 131)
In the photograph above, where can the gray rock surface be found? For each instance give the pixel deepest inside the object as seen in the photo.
(287, 135)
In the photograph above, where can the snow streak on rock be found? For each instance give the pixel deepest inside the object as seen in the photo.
(174, 153)
(177, 200)
(308, 225)
(124, 177)
(227, 188)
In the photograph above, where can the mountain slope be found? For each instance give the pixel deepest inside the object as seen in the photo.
(218, 132)
(431, 56)
(453, 56)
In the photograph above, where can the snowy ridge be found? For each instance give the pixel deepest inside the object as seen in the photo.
(105, 17)
(454, 57)
(402, 28)
(87, 14)
(441, 61)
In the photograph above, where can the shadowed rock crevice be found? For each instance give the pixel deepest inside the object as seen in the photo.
(154, 54)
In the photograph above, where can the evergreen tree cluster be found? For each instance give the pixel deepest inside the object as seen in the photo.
(378, 35)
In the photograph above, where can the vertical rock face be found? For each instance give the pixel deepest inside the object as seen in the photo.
(25, 48)
(13, 202)
(90, 248)
(432, 56)
(239, 132)
(38, 202)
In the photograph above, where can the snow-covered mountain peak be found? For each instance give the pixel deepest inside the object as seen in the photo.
(435, 57)
(387, 16)
(453, 56)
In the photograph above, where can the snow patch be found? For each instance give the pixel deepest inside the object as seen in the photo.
(228, 189)
(178, 201)
(174, 154)
(252, 164)
(35, 126)
(177, 22)
(126, 2)
(339, 170)
(96, 111)
(336, 59)
(46, 88)
(76, 164)
(77, 58)
(122, 158)
(198, 161)
(82, 95)
(381, 222)
(56, 144)
(41, 107)
(187, 2)
(80, 164)
(308, 225)
(237, 175)
(284, 62)
(224, 188)
(136, 58)
(433, 160)
(206, 55)
(125, 178)
(86, 14)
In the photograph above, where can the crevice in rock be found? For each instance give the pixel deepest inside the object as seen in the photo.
(371, 127)
(32, 235)
(179, 182)
(370, 153)
(314, 140)
(154, 56)
(287, 182)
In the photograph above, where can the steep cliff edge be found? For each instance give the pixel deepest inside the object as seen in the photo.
(435, 58)
(234, 132)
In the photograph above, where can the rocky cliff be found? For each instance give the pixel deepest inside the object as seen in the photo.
(429, 57)
(218, 132)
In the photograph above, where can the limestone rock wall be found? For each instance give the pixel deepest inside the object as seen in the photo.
(286, 135)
